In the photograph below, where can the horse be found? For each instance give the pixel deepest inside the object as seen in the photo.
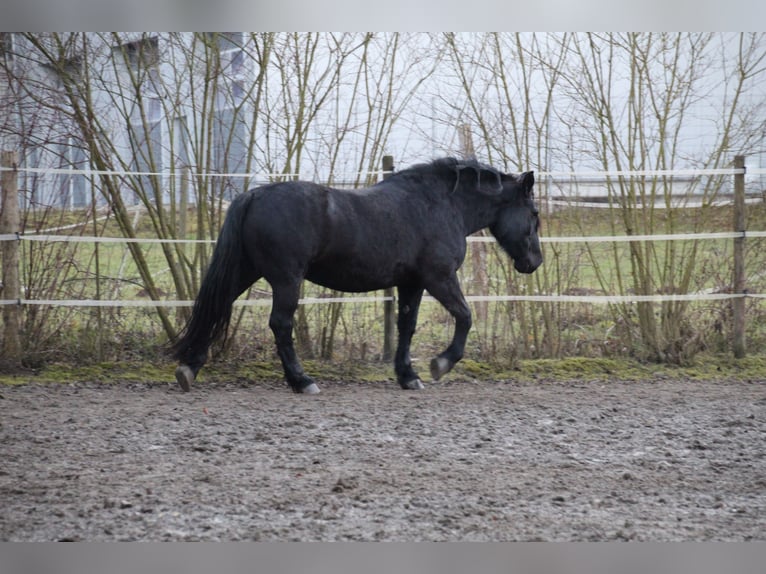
(407, 231)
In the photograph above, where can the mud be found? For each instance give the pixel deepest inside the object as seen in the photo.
(461, 460)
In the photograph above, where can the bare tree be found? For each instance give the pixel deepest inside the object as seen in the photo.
(507, 84)
(636, 95)
(148, 108)
(167, 120)
(612, 102)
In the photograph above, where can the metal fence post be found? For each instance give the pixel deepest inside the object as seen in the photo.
(738, 280)
(389, 306)
(10, 224)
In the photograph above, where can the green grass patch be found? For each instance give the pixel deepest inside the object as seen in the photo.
(593, 336)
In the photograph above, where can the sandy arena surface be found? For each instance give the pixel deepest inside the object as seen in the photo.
(461, 460)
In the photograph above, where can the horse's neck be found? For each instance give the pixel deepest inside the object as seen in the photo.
(478, 212)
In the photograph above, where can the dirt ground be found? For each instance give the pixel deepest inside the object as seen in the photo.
(461, 460)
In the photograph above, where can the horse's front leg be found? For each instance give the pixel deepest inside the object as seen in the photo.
(284, 305)
(409, 304)
(448, 293)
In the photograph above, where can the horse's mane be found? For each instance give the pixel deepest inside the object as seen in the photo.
(437, 166)
(445, 167)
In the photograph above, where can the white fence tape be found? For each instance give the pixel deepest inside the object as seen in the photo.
(270, 176)
(93, 239)
(600, 299)
(472, 239)
(597, 299)
(685, 202)
(646, 173)
(161, 303)
(123, 173)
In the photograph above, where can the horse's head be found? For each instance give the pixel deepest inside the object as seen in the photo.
(517, 222)
(508, 208)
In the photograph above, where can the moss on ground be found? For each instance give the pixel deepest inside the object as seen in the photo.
(705, 367)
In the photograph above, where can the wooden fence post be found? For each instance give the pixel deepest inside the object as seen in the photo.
(389, 306)
(184, 204)
(9, 224)
(738, 281)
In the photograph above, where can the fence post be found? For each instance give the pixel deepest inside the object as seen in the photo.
(738, 281)
(389, 306)
(9, 224)
(184, 204)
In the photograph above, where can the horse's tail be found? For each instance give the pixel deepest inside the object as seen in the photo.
(219, 289)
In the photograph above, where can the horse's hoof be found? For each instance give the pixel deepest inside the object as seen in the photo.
(440, 367)
(413, 385)
(311, 389)
(185, 377)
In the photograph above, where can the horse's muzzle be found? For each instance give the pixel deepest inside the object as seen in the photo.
(527, 264)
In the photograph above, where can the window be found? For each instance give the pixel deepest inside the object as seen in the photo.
(65, 72)
(230, 47)
(229, 40)
(147, 148)
(153, 107)
(6, 46)
(73, 188)
(143, 58)
(143, 53)
(145, 125)
(235, 60)
(238, 92)
(230, 128)
(230, 148)
(180, 160)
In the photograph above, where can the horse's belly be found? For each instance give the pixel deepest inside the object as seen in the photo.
(356, 277)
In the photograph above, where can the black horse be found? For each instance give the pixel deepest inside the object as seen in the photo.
(408, 231)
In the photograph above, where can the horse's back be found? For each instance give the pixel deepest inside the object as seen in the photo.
(334, 215)
(284, 221)
(348, 240)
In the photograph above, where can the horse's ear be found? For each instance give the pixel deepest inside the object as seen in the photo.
(528, 181)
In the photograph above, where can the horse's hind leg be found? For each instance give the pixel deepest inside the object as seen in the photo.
(284, 304)
(448, 293)
(186, 372)
(409, 304)
(196, 357)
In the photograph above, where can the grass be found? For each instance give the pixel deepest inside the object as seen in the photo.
(566, 266)
(575, 332)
